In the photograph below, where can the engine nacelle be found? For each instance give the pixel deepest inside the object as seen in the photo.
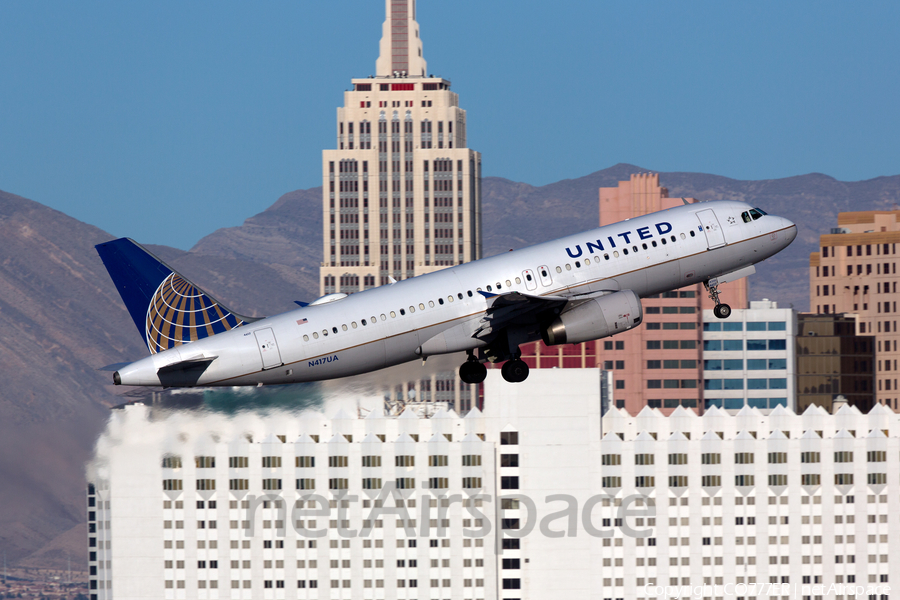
(598, 318)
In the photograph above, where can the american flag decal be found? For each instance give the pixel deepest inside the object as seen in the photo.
(302, 321)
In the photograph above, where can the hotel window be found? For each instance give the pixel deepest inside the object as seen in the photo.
(608, 460)
(405, 460)
(743, 458)
(171, 462)
(711, 458)
(810, 457)
(271, 462)
(305, 461)
(644, 459)
(338, 461)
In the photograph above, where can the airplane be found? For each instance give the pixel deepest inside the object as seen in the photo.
(575, 289)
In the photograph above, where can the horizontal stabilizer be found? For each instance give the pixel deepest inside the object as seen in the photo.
(184, 373)
(187, 365)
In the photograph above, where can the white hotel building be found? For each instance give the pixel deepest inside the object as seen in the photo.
(749, 359)
(539, 497)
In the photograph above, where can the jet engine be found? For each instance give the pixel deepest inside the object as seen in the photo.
(597, 318)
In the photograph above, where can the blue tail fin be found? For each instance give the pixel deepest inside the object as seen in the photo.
(167, 309)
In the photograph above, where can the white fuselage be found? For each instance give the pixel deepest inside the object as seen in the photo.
(388, 325)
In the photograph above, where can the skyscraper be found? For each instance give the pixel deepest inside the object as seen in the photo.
(855, 272)
(401, 194)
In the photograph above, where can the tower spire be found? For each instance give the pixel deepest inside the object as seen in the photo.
(400, 49)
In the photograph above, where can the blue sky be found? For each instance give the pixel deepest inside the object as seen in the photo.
(165, 121)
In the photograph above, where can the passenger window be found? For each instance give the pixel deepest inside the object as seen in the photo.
(383, 318)
(625, 251)
(499, 286)
(402, 313)
(673, 238)
(663, 241)
(644, 246)
(519, 280)
(305, 338)
(469, 293)
(315, 335)
(692, 234)
(528, 277)
(393, 315)
(353, 324)
(635, 249)
(364, 322)
(450, 298)
(616, 253)
(559, 269)
(490, 289)
(653, 243)
(412, 309)
(682, 236)
(334, 329)
(568, 267)
(325, 332)
(459, 295)
(343, 328)
(577, 265)
(508, 284)
(597, 259)
(431, 304)
(543, 272)
(441, 301)
(606, 256)
(421, 306)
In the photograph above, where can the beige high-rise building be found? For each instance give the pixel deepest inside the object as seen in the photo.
(402, 192)
(855, 272)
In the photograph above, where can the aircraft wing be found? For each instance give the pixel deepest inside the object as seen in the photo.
(516, 308)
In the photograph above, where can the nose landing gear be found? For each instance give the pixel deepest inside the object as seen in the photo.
(721, 310)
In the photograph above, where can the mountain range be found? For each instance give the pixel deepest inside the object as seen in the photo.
(61, 317)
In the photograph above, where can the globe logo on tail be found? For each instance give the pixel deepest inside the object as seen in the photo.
(180, 313)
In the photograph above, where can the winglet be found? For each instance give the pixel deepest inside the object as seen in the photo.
(685, 200)
(301, 304)
(391, 280)
(487, 294)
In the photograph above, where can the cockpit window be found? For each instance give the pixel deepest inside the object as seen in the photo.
(746, 217)
(756, 213)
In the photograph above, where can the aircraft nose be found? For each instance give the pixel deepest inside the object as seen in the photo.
(791, 229)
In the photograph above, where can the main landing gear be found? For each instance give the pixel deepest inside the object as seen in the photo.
(721, 310)
(472, 371)
(515, 370)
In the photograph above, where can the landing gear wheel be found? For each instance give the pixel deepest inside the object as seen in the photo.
(472, 371)
(722, 311)
(514, 371)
